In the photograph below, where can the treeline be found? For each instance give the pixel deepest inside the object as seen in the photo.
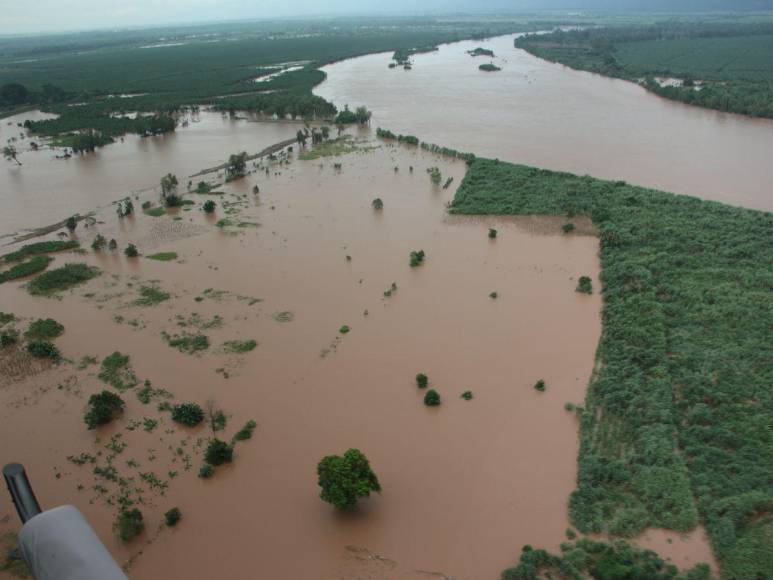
(431, 147)
(675, 429)
(296, 105)
(738, 89)
(16, 95)
(78, 119)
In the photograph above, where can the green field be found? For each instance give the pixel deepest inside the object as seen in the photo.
(727, 66)
(677, 426)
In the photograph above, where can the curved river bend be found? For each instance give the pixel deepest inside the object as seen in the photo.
(544, 114)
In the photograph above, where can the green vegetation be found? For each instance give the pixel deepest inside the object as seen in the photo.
(187, 343)
(719, 65)
(673, 430)
(6, 317)
(240, 346)
(102, 409)
(28, 268)
(567, 228)
(284, 316)
(163, 256)
(346, 478)
(150, 296)
(386, 134)
(584, 285)
(492, 233)
(432, 398)
(344, 329)
(237, 163)
(245, 432)
(422, 381)
(131, 251)
(494, 295)
(206, 471)
(48, 328)
(467, 395)
(489, 67)
(172, 517)
(377, 204)
(434, 175)
(590, 559)
(61, 279)
(209, 206)
(218, 452)
(117, 372)
(39, 248)
(189, 414)
(417, 257)
(481, 52)
(155, 211)
(43, 349)
(129, 524)
(539, 386)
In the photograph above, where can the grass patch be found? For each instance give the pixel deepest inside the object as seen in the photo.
(675, 427)
(163, 256)
(116, 371)
(334, 147)
(28, 268)
(155, 211)
(48, 328)
(150, 296)
(39, 248)
(61, 279)
(240, 346)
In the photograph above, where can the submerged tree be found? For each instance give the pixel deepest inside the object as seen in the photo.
(10, 153)
(236, 165)
(346, 478)
(377, 204)
(168, 184)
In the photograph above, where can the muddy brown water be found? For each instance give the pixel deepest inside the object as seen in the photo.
(548, 115)
(45, 190)
(465, 485)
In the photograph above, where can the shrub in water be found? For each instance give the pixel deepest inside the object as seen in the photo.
(346, 478)
(103, 408)
(377, 204)
(422, 380)
(467, 395)
(585, 285)
(432, 398)
(206, 471)
(417, 257)
(219, 452)
(172, 517)
(245, 432)
(43, 349)
(129, 524)
(209, 206)
(131, 251)
(568, 228)
(540, 385)
(492, 233)
(48, 328)
(189, 414)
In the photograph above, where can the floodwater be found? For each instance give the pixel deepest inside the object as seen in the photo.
(465, 485)
(45, 190)
(548, 115)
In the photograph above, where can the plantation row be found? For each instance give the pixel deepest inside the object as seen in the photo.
(676, 426)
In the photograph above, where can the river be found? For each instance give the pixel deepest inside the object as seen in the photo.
(539, 113)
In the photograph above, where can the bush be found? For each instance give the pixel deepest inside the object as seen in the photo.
(568, 228)
(245, 432)
(346, 478)
(173, 200)
(432, 398)
(467, 395)
(9, 337)
(103, 408)
(417, 257)
(492, 233)
(28, 268)
(377, 204)
(540, 385)
(209, 206)
(494, 295)
(422, 381)
(584, 285)
(131, 251)
(218, 452)
(344, 329)
(99, 243)
(43, 349)
(48, 328)
(129, 524)
(61, 279)
(189, 414)
(206, 471)
(172, 517)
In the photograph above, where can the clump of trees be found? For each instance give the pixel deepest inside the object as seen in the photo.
(584, 285)
(218, 452)
(43, 349)
(386, 134)
(131, 251)
(346, 478)
(102, 409)
(417, 258)
(169, 184)
(129, 524)
(237, 163)
(190, 414)
(432, 398)
(361, 116)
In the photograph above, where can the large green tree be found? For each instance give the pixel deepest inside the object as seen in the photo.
(345, 478)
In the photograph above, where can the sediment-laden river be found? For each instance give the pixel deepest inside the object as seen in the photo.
(548, 115)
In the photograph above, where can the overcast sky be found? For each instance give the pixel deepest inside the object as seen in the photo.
(21, 17)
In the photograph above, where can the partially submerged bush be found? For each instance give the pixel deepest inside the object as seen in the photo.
(432, 398)
(39, 248)
(422, 381)
(540, 385)
(116, 371)
(245, 432)
(584, 285)
(103, 408)
(99, 243)
(131, 251)
(377, 204)
(344, 329)
(206, 471)
(417, 257)
(346, 478)
(218, 452)
(467, 395)
(43, 349)
(129, 524)
(44, 328)
(492, 233)
(568, 227)
(172, 517)
(209, 206)
(61, 279)
(189, 414)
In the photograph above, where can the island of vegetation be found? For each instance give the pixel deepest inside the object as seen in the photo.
(481, 52)
(489, 67)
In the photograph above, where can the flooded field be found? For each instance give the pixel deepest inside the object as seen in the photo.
(465, 485)
(547, 115)
(46, 190)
